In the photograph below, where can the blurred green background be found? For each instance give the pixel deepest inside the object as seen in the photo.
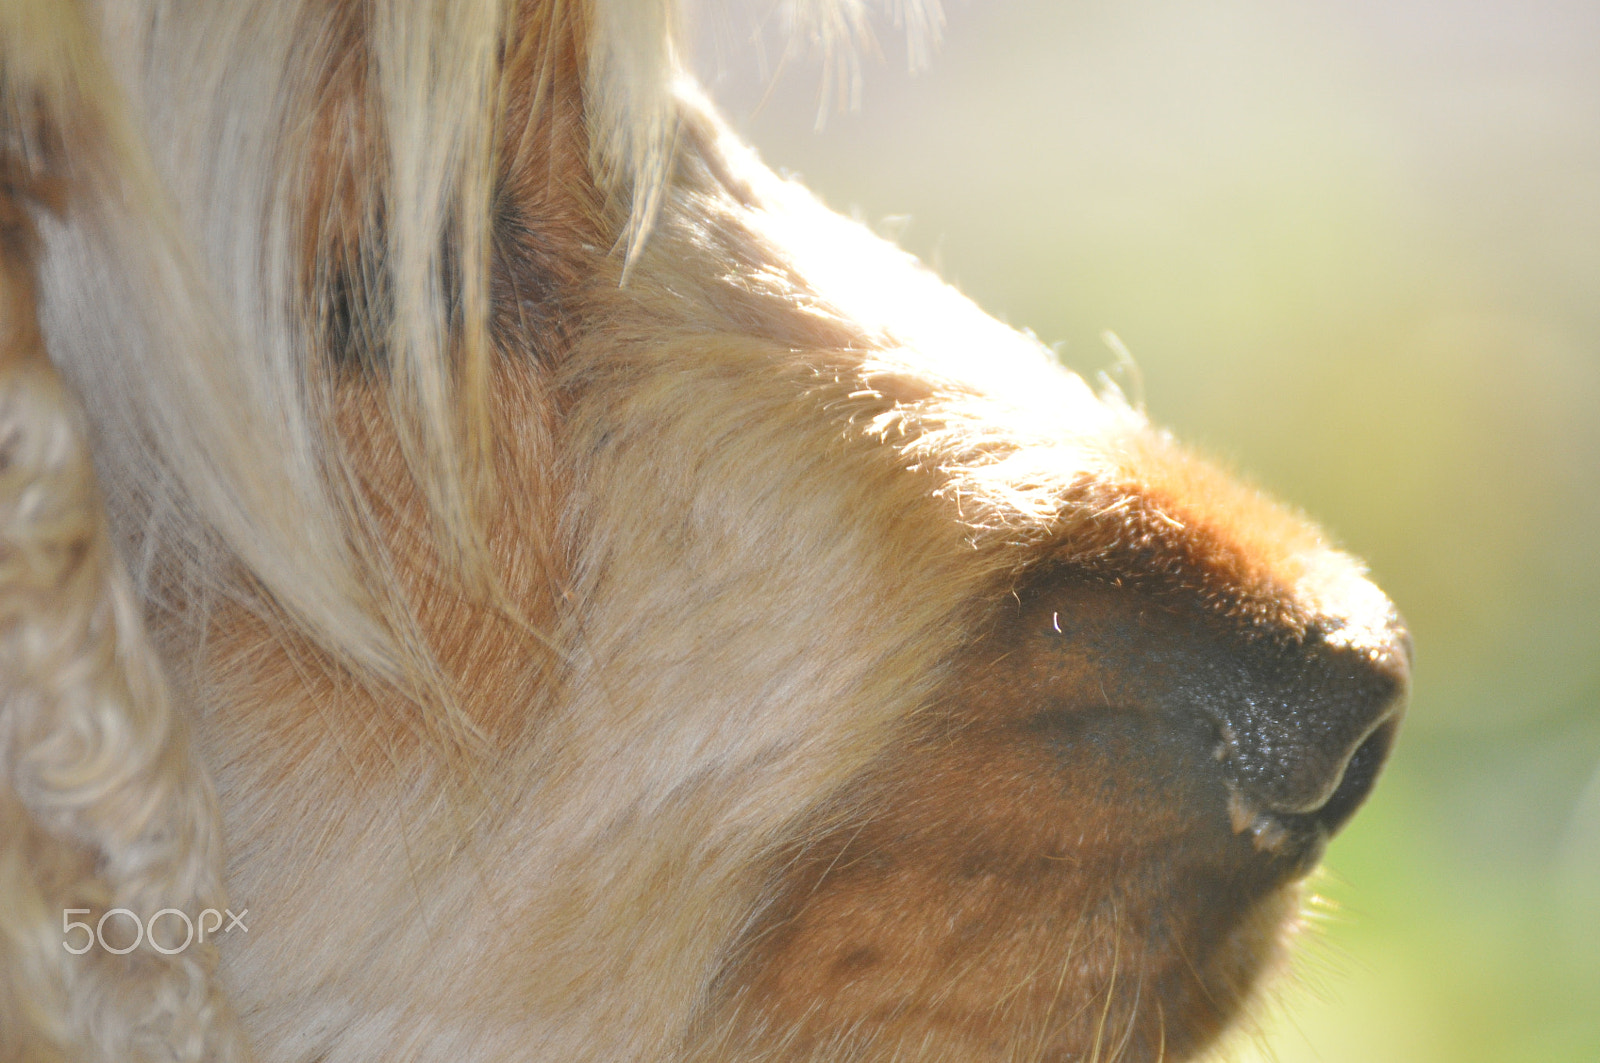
(1354, 249)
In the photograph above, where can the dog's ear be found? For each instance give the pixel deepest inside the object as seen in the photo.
(102, 805)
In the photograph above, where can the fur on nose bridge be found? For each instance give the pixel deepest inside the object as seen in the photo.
(584, 600)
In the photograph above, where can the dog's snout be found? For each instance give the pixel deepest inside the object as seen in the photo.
(1285, 720)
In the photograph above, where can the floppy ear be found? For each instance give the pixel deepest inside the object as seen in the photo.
(102, 805)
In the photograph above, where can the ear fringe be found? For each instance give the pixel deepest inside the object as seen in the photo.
(180, 311)
(101, 804)
(184, 407)
(436, 71)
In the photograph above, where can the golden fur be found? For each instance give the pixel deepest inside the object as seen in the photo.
(625, 612)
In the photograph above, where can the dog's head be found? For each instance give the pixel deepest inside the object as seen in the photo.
(630, 612)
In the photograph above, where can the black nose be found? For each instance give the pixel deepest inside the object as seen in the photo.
(1305, 724)
(1289, 722)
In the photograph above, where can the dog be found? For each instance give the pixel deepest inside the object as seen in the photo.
(489, 571)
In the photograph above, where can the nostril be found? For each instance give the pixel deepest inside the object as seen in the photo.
(1300, 773)
(1360, 774)
(1299, 831)
(1307, 732)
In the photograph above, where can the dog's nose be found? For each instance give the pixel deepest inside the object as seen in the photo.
(1289, 716)
(1306, 724)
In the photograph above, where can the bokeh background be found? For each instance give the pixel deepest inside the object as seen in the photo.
(1354, 249)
